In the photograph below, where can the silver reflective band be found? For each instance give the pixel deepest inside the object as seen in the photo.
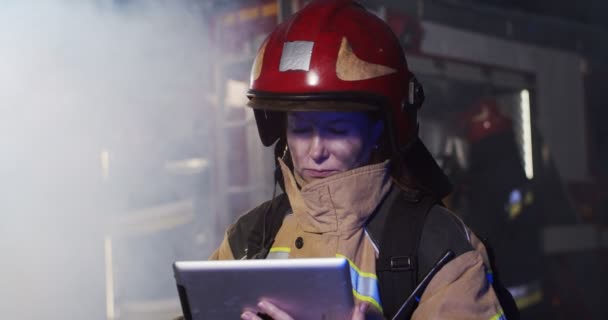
(296, 56)
(278, 255)
(366, 288)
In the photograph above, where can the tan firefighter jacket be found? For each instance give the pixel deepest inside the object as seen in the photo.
(328, 220)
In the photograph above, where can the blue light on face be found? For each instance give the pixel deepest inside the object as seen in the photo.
(324, 143)
(330, 124)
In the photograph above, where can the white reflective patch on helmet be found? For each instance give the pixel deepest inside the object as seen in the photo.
(296, 55)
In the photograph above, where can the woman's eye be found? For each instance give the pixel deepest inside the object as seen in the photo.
(298, 130)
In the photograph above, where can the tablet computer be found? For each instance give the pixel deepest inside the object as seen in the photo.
(318, 288)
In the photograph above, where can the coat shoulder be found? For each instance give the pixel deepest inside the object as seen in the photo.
(443, 230)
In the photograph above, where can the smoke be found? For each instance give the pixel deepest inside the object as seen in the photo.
(95, 98)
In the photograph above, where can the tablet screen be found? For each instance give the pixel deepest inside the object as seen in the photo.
(317, 288)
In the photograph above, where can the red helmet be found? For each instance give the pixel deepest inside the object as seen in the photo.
(484, 119)
(334, 55)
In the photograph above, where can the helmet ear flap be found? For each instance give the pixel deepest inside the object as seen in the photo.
(271, 125)
(415, 97)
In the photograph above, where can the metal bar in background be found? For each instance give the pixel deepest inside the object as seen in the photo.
(285, 9)
(110, 314)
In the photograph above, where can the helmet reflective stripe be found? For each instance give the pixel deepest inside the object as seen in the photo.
(350, 68)
(296, 56)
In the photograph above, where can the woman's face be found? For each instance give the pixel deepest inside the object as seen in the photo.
(325, 143)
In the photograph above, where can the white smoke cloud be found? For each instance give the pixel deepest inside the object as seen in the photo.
(78, 78)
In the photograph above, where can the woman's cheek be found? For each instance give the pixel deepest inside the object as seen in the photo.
(298, 150)
(348, 153)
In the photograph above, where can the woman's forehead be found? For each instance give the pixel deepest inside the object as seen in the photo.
(327, 116)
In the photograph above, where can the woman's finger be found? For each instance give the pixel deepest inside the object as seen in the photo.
(271, 310)
(360, 311)
(248, 315)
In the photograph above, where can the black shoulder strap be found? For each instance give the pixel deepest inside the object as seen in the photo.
(246, 235)
(398, 224)
(266, 228)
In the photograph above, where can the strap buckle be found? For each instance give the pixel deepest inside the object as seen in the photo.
(401, 263)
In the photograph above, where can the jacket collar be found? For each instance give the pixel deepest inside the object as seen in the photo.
(340, 203)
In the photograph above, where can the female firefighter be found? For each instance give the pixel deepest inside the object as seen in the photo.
(330, 87)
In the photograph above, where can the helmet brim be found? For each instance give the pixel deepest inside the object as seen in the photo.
(304, 105)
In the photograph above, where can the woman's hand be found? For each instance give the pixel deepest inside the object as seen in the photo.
(278, 314)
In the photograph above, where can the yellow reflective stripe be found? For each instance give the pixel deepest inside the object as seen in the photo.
(354, 266)
(499, 316)
(367, 299)
(278, 253)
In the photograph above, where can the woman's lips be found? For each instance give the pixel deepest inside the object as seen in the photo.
(312, 173)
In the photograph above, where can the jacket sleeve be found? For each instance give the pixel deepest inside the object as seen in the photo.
(462, 289)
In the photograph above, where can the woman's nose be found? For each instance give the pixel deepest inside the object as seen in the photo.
(318, 151)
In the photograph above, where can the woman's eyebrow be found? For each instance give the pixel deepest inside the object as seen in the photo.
(297, 117)
(338, 121)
